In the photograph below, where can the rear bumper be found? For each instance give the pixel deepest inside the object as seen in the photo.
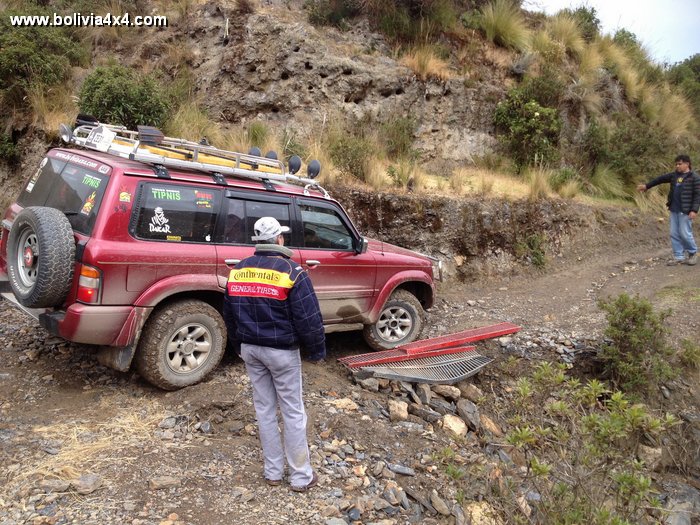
(96, 325)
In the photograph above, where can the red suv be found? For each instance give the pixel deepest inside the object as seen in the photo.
(133, 256)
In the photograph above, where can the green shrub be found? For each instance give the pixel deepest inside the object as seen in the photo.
(690, 354)
(120, 95)
(8, 149)
(529, 131)
(686, 75)
(532, 248)
(258, 133)
(397, 135)
(331, 12)
(588, 21)
(34, 55)
(636, 356)
(352, 154)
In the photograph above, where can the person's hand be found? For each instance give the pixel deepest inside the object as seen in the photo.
(641, 187)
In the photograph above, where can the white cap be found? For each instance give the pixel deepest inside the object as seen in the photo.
(267, 228)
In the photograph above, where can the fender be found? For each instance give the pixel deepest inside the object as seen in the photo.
(393, 283)
(176, 284)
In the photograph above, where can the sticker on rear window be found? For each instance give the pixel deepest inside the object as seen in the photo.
(89, 204)
(92, 181)
(203, 199)
(159, 222)
(173, 238)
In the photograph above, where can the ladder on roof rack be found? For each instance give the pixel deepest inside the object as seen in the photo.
(149, 145)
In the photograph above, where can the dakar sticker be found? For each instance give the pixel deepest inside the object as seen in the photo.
(159, 222)
(89, 204)
(164, 194)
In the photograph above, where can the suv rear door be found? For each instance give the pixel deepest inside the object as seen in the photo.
(240, 211)
(344, 280)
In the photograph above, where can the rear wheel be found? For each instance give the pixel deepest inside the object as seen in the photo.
(182, 343)
(40, 257)
(399, 323)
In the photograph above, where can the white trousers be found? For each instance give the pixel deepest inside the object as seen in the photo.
(275, 376)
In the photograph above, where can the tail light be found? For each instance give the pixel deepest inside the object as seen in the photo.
(89, 284)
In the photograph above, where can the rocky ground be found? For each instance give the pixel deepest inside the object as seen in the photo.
(82, 444)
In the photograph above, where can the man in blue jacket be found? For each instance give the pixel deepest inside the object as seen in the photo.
(683, 202)
(271, 309)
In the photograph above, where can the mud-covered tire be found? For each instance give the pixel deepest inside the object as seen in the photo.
(181, 344)
(40, 257)
(399, 323)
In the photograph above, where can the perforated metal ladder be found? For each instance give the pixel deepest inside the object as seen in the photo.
(439, 360)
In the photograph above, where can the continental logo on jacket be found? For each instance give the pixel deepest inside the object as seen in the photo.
(259, 282)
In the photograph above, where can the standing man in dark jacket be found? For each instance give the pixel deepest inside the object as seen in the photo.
(271, 309)
(683, 203)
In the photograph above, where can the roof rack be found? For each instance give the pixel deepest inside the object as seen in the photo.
(149, 145)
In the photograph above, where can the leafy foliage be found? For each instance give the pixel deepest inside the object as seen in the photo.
(686, 75)
(34, 55)
(8, 149)
(119, 95)
(587, 20)
(637, 356)
(530, 131)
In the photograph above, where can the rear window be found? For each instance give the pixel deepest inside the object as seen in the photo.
(169, 212)
(75, 190)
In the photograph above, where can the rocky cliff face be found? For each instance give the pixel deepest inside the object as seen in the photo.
(277, 68)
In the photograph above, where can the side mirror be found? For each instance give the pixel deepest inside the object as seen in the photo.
(362, 245)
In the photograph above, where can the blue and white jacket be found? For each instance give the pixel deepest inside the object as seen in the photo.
(270, 301)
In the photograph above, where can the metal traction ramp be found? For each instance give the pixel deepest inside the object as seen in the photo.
(443, 369)
(439, 360)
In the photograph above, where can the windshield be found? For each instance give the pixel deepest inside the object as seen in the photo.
(75, 190)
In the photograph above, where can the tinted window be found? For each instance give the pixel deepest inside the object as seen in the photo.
(167, 212)
(242, 214)
(75, 190)
(324, 228)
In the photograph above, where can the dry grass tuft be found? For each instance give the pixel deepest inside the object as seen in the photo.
(51, 107)
(549, 50)
(538, 182)
(191, 122)
(569, 189)
(426, 64)
(504, 24)
(565, 29)
(606, 184)
(652, 201)
(86, 447)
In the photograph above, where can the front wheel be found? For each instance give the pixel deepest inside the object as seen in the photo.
(400, 322)
(182, 343)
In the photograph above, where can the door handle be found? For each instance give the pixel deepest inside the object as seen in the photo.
(231, 262)
(311, 263)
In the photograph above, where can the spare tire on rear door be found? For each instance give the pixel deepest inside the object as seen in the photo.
(40, 257)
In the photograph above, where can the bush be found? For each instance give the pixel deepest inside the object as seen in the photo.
(119, 95)
(34, 55)
(636, 356)
(397, 135)
(588, 21)
(352, 155)
(8, 149)
(530, 131)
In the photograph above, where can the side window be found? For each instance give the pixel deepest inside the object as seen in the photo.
(39, 187)
(168, 212)
(242, 214)
(324, 228)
